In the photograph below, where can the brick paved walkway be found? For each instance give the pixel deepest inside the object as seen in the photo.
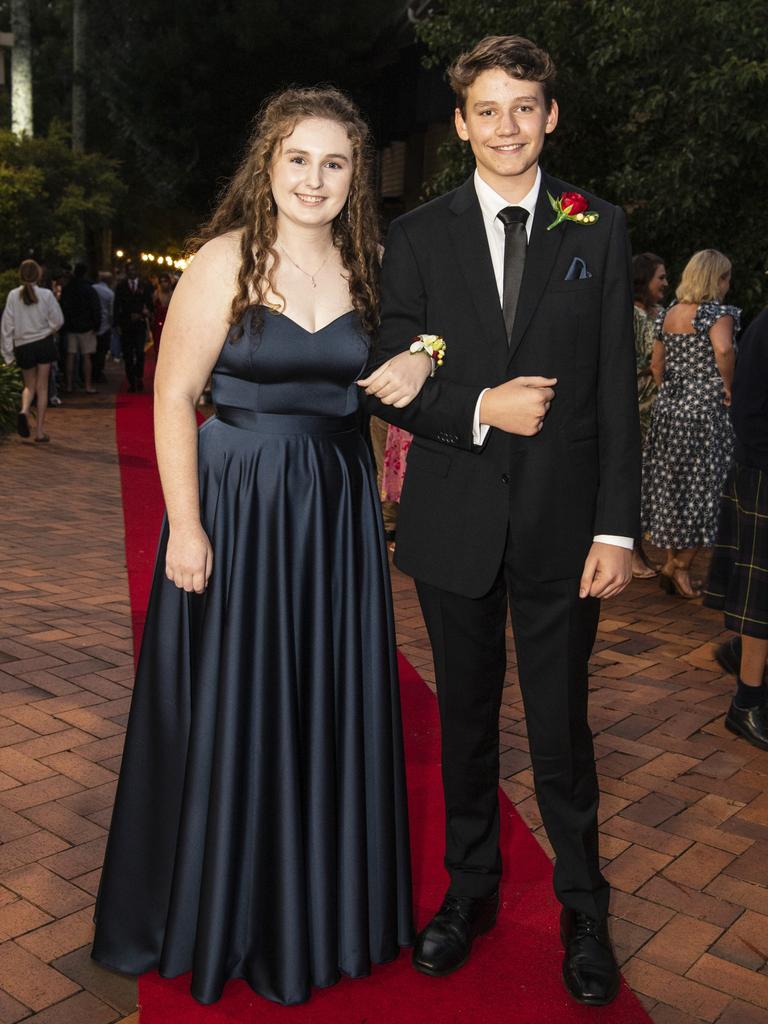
(684, 811)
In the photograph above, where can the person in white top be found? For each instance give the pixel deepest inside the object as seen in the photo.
(31, 318)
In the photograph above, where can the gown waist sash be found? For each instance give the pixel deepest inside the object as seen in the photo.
(282, 423)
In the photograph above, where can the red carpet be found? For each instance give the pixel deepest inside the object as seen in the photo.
(509, 979)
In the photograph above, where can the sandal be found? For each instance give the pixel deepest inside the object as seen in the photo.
(670, 582)
(22, 425)
(43, 439)
(646, 573)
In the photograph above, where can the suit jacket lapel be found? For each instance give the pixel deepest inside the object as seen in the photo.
(471, 246)
(542, 253)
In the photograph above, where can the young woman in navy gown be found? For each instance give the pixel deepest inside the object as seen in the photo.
(260, 829)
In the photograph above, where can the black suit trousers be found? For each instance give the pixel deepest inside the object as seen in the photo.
(554, 632)
(132, 340)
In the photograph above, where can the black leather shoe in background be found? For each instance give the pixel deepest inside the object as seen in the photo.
(445, 944)
(590, 971)
(751, 723)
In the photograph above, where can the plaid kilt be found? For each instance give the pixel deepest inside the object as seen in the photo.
(738, 573)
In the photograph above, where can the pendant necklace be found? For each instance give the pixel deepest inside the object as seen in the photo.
(306, 272)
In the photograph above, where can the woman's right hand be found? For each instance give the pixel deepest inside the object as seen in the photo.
(189, 558)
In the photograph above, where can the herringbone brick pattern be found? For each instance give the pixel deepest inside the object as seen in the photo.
(66, 669)
(684, 811)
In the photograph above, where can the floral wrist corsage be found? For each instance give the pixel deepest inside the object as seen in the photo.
(433, 345)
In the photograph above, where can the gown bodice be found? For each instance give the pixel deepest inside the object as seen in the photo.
(284, 368)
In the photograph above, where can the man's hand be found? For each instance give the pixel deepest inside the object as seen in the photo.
(607, 571)
(518, 406)
(399, 380)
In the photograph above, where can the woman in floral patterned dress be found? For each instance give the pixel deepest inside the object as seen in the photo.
(689, 444)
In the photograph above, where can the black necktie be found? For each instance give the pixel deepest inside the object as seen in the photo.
(515, 245)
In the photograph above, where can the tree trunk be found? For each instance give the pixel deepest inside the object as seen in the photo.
(78, 74)
(21, 69)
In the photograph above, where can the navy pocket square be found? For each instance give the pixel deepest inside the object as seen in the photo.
(577, 270)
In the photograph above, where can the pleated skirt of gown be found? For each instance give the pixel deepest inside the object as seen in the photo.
(260, 828)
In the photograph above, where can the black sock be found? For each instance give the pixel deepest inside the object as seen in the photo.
(749, 696)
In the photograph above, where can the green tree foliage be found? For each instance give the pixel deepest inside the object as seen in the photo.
(662, 110)
(10, 393)
(51, 197)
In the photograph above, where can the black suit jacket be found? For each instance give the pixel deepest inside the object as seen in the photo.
(580, 476)
(131, 307)
(749, 410)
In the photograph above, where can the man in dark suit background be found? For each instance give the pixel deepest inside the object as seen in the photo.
(133, 307)
(522, 485)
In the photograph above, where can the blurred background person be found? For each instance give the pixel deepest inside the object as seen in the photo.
(689, 444)
(161, 301)
(133, 308)
(649, 288)
(395, 464)
(378, 431)
(738, 577)
(82, 318)
(103, 289)
(31, 318)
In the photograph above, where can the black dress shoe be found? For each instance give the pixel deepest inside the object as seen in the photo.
(445, 944)
(751, 723)
(728, 655)
(590, 971)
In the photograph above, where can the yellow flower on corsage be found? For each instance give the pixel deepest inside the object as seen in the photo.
(433, 345)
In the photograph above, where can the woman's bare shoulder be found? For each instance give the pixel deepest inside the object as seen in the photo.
(215, 264)
(223, 250)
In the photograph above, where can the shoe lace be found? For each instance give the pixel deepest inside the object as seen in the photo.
(459, 904)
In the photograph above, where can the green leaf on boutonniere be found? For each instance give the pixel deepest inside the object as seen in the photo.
(554, 203)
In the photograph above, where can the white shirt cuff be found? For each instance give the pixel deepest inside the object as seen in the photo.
(620, 542)
(479, 430)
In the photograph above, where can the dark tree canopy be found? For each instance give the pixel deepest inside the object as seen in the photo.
(173, 85)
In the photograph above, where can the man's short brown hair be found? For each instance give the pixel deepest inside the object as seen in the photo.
(519, 57)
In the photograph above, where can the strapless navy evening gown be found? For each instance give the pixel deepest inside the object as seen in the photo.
(260, 827)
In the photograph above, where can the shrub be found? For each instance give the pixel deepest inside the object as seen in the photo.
(10, 393)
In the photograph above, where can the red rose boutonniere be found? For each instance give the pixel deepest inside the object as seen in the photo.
(571, 206)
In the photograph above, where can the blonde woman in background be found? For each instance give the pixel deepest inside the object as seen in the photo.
(31, 318)
(689, 445)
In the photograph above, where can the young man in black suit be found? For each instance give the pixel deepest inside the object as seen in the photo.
(133, 307)
(522, 486)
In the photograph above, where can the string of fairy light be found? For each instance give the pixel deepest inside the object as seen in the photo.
(177, 262)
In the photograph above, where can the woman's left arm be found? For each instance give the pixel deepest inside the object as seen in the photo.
(721, 336)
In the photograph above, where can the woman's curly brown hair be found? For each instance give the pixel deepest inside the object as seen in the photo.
(246, 203)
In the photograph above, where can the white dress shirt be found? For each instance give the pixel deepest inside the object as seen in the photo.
(491, 204)
(22, 324)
